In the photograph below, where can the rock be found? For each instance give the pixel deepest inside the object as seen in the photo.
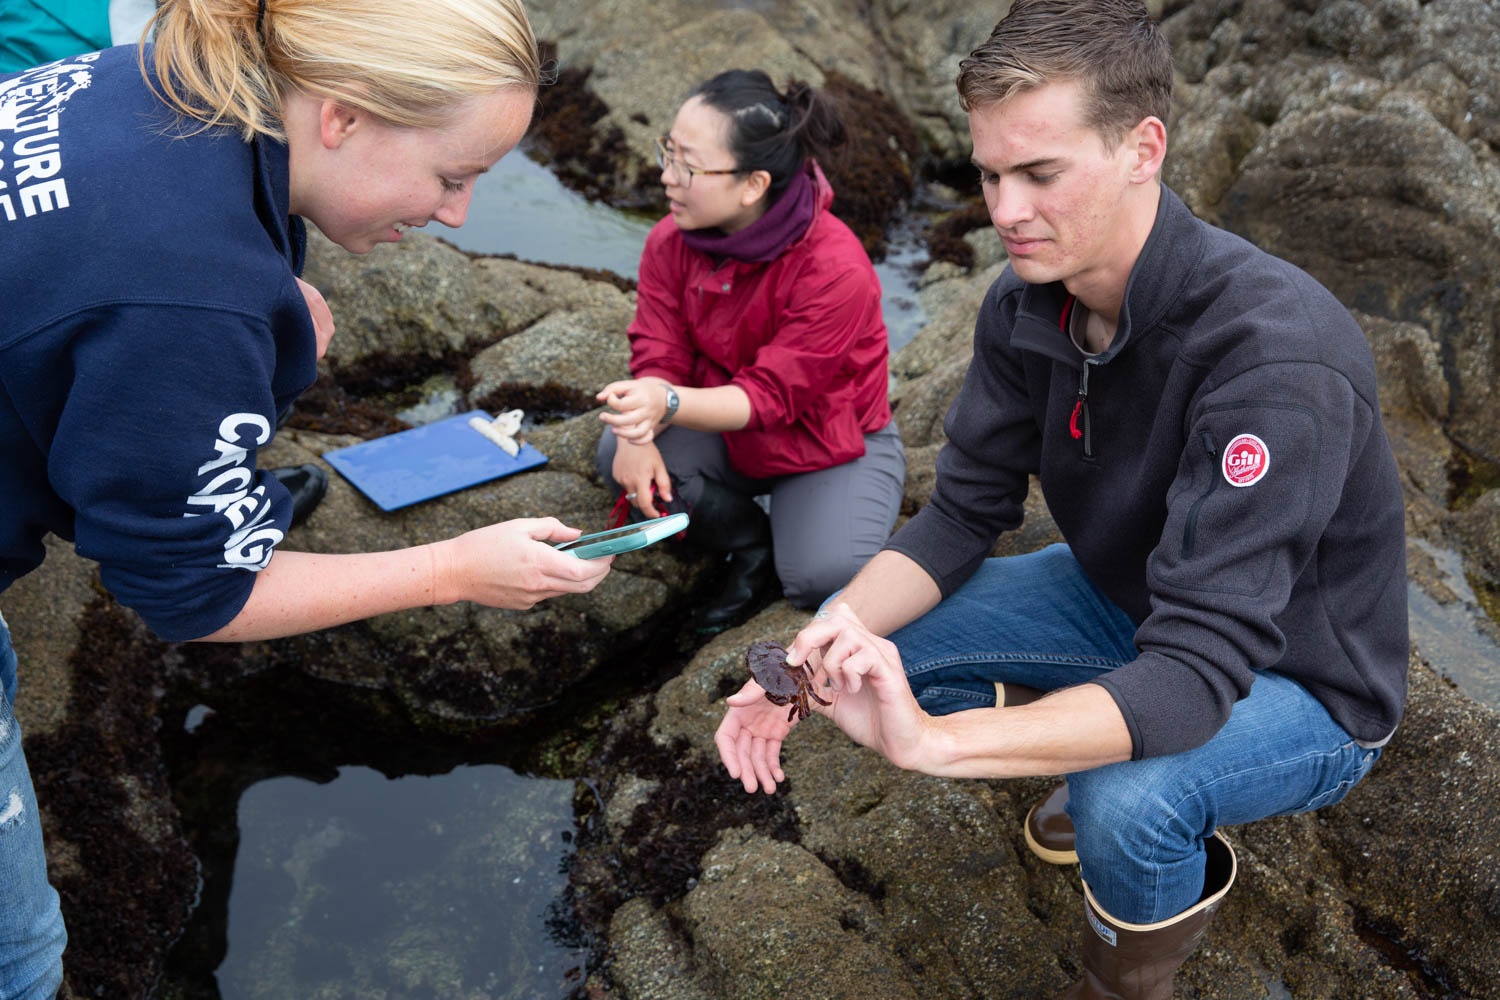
(1478, 527)
(921, 47)
(579, 350)
(1409, 362)
(1367, 157)
(570, 445)
(921, 404)
(419, 296)
(43, 611)
(783, 926)
(467, 663)
(650, 955)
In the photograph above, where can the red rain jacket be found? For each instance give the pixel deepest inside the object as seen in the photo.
(802, 335)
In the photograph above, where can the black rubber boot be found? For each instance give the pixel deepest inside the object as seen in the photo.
(307, 484)
(726, 521)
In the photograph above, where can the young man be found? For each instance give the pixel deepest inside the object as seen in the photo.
(1224, 632)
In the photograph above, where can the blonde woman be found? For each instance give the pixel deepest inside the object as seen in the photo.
(154, 327)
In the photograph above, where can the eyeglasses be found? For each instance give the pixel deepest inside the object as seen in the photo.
(666, 155)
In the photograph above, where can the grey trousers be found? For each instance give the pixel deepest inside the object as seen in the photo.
(825, 524)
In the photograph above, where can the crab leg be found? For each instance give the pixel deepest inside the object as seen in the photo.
(807, 686)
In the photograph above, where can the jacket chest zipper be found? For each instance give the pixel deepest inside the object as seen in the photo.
(1190, 531)
(1079, 425)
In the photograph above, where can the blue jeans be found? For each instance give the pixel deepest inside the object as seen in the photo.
(1038, 620)
(31, 926)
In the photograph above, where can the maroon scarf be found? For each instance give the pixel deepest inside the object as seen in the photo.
(767, 237)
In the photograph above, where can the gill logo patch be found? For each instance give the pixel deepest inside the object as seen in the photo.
(1107, 933)
(1246, 461)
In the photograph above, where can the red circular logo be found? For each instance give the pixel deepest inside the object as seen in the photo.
(1246, 460)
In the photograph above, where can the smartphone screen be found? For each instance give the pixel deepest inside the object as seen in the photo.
(604, 536)
(626, 539)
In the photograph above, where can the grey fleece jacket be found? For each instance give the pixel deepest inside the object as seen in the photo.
(1296, 564)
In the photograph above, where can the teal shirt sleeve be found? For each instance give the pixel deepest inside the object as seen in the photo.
(33, 32)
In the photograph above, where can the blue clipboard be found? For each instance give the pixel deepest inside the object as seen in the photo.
(405, 468)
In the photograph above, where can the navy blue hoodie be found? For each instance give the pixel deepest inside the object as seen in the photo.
(1220, 472)
(151, 333)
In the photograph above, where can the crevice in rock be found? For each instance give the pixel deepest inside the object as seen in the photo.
(1470, 475)
(545, 403)
(619, 281)
(1391, 942)
(393, 378)
(364, 397)
(855, 876)
(874, 173)
(327, 408)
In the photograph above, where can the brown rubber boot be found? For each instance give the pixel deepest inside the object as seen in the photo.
(1137, 961)
(1011, 695)
(1049, 829)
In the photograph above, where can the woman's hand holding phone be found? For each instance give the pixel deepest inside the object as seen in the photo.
(513, 565)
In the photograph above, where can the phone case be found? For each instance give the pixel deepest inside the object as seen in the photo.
(645, 533)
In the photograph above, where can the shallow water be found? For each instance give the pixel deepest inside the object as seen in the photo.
(1448, 635)
(520, 208)
(437, 886)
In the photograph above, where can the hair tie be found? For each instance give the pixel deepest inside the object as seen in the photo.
(260, 17)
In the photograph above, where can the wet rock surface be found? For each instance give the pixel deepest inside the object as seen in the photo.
(1357, 139)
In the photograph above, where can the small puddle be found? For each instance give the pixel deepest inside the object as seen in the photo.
(434, 886)
(346, 853)
(1449, 635)
(520, 208)
(440, 399)
(906, 251)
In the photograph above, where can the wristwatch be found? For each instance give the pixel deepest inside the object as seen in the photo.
(672, 403)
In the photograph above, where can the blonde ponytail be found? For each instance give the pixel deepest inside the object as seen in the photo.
(408, 63)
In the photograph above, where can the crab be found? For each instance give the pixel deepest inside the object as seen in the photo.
(784, 683)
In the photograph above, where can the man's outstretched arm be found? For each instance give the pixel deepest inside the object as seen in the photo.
(1070, 730)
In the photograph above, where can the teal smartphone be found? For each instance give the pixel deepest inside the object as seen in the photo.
(632, 536)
